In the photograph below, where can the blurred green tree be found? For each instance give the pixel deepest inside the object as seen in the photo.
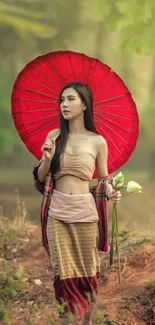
(134, 21)
(30, 27)
(152, 82)
(147, 119)
(23, 21)
(19, 28)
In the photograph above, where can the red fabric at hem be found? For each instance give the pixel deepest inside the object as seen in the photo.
(77, 293)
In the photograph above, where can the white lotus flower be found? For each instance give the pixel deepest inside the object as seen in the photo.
(38, 282)
(118, 180)
(133, 187)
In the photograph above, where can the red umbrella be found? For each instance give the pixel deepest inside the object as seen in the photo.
(35, 102)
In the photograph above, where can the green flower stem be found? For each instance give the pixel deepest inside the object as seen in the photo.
(117, 245)
(112, 236)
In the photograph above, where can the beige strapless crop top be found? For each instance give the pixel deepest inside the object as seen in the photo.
(79, 165)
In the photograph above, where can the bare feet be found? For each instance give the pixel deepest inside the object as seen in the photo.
(87, 320)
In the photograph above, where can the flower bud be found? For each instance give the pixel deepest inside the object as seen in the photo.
(133, 187)
(118, 181)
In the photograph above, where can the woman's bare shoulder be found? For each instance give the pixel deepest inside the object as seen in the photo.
(99, 140)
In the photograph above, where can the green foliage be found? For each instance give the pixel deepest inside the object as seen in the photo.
(10, 284)
(25, 22)
(106, 11)
(134, 20)
(61, 308)
(106, 321)
(5, 313)
(124, 233)
(128, 302)
(30, 28)
(8, 235)
(151, 288)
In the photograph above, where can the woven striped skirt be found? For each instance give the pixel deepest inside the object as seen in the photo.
(74, 259)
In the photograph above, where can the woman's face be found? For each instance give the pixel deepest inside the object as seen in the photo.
(71, 105)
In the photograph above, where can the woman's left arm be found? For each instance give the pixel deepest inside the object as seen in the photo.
(102, 170)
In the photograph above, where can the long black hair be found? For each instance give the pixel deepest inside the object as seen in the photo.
(86, 97)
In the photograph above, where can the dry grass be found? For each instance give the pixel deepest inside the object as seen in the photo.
(136, 227)
(20, 227)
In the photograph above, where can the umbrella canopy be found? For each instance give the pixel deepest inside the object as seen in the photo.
(35, 102)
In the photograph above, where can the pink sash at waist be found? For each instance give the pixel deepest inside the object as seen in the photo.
(73, 208)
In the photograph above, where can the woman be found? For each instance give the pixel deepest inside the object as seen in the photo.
(71, 155)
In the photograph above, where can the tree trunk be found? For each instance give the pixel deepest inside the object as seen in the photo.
(101, 36)
(125, 70)
(152, 83)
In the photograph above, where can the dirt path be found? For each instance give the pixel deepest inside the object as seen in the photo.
(128, 304)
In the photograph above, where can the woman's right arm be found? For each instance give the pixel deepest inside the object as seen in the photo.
(48, 149)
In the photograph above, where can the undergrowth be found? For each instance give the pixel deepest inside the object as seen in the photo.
(11, 278)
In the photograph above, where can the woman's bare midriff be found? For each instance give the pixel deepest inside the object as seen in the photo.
(72, 185)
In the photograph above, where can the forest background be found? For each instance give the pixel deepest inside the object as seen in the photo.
(121, 34)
